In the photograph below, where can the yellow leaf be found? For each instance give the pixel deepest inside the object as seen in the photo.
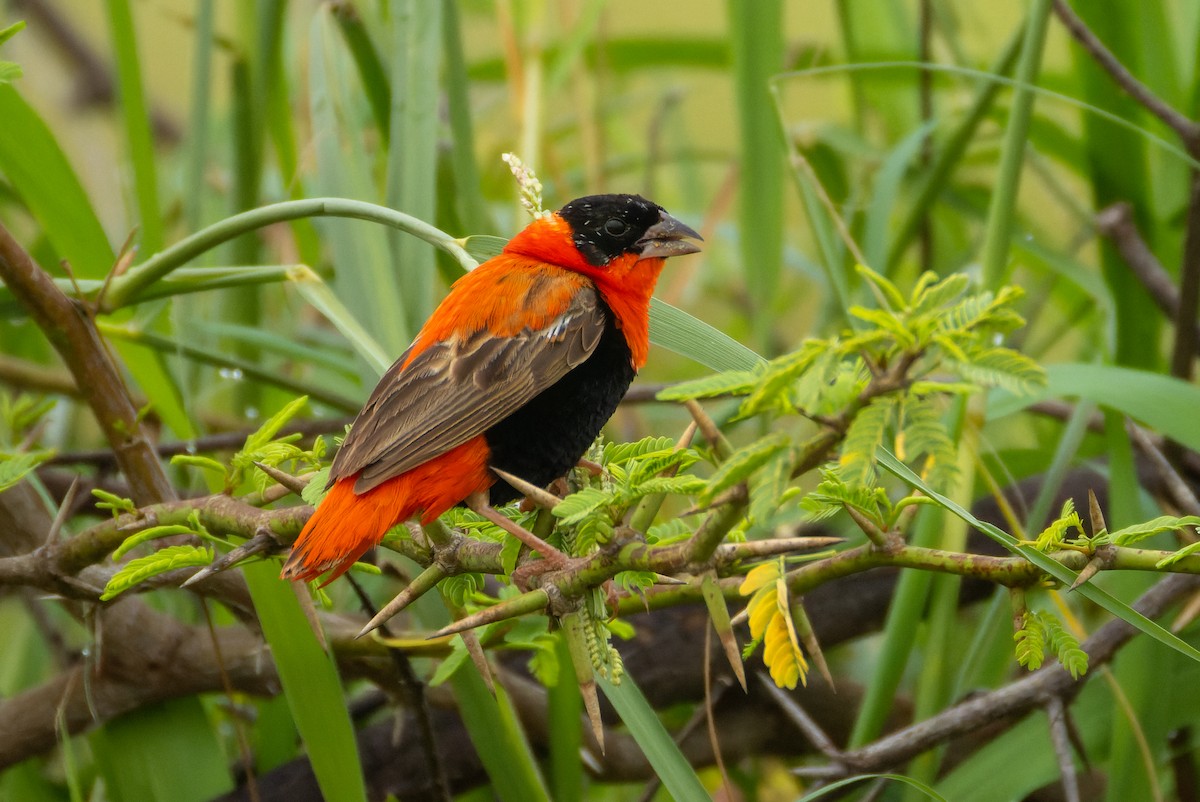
(761, 610)
(759, 575)
(781, 647)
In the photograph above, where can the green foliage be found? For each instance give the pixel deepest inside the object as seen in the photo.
(834, 493)
(112, 502)
(632, 471)
(1055, 534)
(863, 438)
(460, 588)
(314, 491)
(730, 382)
(263, 446)
(744, 462)
(20, 413)
(1040, 630)
(938, 327)
(152, 533)
(15, 467)
(922, 430)
(1136, 533)
(138, 570)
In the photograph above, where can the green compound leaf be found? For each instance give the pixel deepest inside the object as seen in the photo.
(1138, 532)
(14, 468)
(137, 571)
(744, 462)
(153, 533)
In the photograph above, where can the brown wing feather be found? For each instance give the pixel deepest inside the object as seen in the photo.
(458, 388)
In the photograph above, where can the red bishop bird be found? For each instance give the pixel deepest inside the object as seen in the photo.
(517, 369)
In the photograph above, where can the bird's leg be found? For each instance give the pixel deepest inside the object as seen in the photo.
(594, 468)
(478, 503)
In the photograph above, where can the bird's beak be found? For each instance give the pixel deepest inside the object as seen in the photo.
(668, 237)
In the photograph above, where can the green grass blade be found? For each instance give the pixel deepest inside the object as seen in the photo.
(899, 638)
(280, 121)
(310, 682)
(1064, 457)
(566, 730)
(939, 650)
(1116, 165)
(412, 151)
(677, 331)
(633, 53)
(885, 194)
(38, 170)
(155, 345)
(188, 281)
(370, 66)
(756, 33)
(1063, 574)
(951, 153)
(1091, 109)
(282, 345)
(138, 135)
(467, 197)
(1165, 404)
(323, 299)
(989, 775)
(364, 276)
(188, 763)
(871, 27)
(1002, 209)
(677, 775)
(197, 139)
(137, 279)
(573, 47)
(492, 724)
(245, 305)
(849, 782)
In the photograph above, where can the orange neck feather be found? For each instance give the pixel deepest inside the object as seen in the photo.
(626, 283)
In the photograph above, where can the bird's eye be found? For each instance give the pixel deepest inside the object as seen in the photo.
(615, 227)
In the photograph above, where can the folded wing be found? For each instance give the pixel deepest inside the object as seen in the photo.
(458, 388)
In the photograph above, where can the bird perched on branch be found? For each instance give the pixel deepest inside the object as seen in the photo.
(517, 369)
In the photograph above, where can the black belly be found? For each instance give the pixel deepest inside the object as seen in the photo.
(546, 437)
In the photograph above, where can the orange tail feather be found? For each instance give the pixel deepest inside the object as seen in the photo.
(347, 524)
(344, 527)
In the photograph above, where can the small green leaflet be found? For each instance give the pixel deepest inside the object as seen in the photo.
(137, 571)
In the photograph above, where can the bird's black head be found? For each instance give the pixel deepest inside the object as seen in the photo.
(607, 226)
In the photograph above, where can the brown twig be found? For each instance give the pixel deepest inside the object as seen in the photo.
(1118, 224)
(224, 441)
(1185, 129)
(26, 375)
(74, 336)
(1176, 487)
(1056, 711)
(1017, 698)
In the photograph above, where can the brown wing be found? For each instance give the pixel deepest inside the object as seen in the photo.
(458, 388)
